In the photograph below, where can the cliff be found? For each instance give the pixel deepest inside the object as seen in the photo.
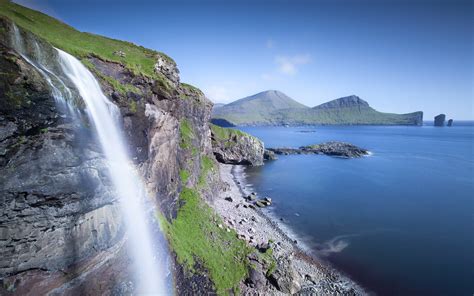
(275, 108)
(60, 224)
(232, 146)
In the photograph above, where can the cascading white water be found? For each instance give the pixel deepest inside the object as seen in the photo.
(130, 188)
(59, 90)
(150, 273)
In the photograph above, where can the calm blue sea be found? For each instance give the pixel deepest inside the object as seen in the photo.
(400, 222)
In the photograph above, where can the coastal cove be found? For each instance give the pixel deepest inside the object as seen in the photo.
(402, 222)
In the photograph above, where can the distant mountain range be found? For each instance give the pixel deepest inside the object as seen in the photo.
(273, 107)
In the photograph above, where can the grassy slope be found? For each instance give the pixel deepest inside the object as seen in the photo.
(80, 44)
(194, 234)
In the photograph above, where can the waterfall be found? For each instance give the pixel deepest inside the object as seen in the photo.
(61, 93)
(147, 254)
(130, 188)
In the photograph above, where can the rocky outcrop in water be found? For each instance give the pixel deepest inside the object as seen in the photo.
(269, 155)
(439, 120)
(235, 147)
(450, 122)
(338, 149)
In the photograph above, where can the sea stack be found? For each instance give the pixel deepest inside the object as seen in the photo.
(439, 120)
(450, 122)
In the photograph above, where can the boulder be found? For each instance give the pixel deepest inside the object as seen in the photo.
(228, 198)
(285, 278)
(168, 68)
(450, 122)
(120, 53)
(439, 120)
(251, 197)
(256, 277)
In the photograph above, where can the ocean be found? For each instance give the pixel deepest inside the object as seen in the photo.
(399, 222)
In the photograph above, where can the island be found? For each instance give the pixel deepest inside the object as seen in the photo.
(274, 108)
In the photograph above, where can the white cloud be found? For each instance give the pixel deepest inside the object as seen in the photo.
(288, 65)
(218, 94)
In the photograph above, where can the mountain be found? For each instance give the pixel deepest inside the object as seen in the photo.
(258, 109)
(276, 108)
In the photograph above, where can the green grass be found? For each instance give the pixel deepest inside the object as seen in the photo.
(137, 58)
(196, 239)
(184, 175)
(222, 133)
(186, 134)
(192, 88)
(207, 165)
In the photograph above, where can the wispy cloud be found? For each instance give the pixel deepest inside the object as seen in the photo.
(288, 65)
(217, 93)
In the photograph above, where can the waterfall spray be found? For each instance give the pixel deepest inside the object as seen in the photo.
(130, 188)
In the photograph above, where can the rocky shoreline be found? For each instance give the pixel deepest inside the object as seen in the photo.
(294, 272)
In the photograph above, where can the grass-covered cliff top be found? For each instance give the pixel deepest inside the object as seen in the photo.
(137, 58)
(221, 133)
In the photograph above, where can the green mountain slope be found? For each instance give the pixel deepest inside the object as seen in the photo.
(347, 110)
(257, 109)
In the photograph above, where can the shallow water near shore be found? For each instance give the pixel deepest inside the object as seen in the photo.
(400, 222)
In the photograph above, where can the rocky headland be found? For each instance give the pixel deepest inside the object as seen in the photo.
(232, 146)
(336, 149)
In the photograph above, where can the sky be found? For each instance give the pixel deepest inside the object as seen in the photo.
(400, 56)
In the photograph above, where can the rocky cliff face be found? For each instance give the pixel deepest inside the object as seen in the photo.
(57, 204)
(439, 120)
(235, 147)
(60, 222)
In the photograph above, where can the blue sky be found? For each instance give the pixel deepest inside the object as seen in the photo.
(400, 56)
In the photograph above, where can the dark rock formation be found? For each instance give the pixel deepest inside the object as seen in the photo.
(439, 120)
(338, 149)
(269, 155)
(450, 122)
(235, 147)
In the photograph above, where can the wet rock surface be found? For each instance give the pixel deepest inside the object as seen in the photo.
(337, 149)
